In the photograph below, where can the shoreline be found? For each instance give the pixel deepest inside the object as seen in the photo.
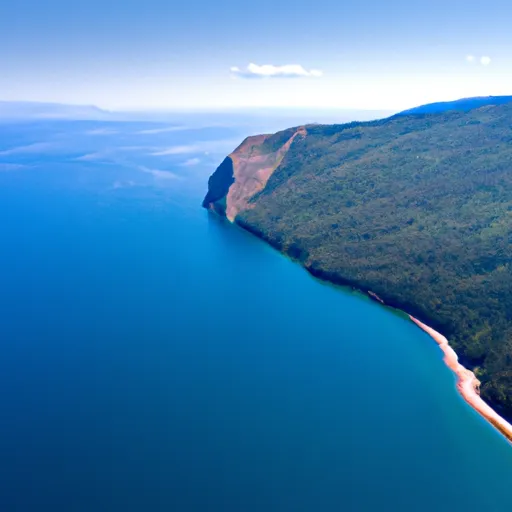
(467, 383)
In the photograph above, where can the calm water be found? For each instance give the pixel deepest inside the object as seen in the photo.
(157, 358)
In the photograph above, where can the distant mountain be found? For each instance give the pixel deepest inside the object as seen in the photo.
(417, 209)
(271, 119)
(462, 105)
(26, 110)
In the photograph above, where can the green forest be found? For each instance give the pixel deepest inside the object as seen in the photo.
(416, 208)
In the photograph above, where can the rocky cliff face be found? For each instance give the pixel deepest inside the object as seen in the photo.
(416, 208)
(246, 171)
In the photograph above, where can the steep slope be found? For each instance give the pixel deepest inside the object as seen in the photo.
(246, 171)
(417, 209)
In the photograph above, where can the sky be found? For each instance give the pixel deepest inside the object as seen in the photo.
(203, 54)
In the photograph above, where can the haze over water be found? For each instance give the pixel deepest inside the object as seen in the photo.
(155, 357)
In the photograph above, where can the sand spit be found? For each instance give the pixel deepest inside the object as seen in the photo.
(467, 383)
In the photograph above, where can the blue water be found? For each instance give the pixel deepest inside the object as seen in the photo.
(154, 357)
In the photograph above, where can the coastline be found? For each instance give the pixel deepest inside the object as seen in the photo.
(467, 383)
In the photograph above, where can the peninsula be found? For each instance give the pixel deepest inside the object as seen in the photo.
(416, 208)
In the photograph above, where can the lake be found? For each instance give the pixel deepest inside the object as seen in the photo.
(155, 357)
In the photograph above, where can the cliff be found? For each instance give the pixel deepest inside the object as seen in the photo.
(246, 171)
(416, 208)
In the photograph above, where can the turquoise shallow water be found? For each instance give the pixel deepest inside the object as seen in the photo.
(157, 358)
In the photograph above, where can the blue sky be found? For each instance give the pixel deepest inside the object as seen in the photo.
(195, 54)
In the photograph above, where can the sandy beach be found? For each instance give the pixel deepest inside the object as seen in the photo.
(467, 383)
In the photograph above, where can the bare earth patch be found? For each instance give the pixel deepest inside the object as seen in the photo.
(252, 169)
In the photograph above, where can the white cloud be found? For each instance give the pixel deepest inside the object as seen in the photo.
(132, 148)
(484, 60)
(11, 167)
(176, 150)
(109, 154)
(157, 173)
(271, 71)
(123, 184)
(37, 147)
(165, 129)
(102, 131)
(199, 147)
(91, 157)
(190, 162)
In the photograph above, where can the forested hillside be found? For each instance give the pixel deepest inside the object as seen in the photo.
(464, 105)
(416, 208)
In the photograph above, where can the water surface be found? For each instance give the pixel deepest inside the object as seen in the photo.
(157, 358)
